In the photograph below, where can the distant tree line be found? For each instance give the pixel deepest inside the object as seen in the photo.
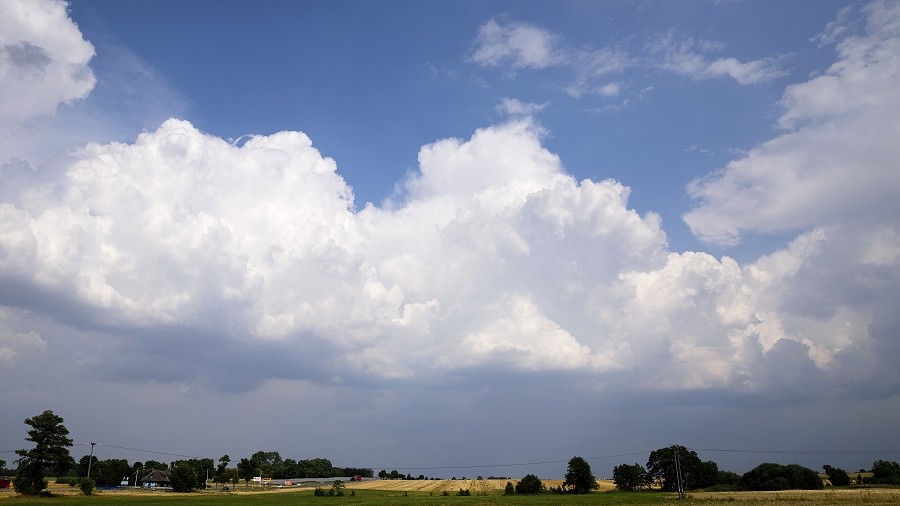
(271, 465)
(195, 472)
(662, 471)
(50, 457)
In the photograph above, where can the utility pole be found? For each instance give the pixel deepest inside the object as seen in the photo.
(678, 474)
(91, 459)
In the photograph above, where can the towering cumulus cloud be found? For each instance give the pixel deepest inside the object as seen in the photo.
(491, 258)
(496, 255)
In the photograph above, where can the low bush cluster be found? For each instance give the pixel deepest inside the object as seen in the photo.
(337, 490)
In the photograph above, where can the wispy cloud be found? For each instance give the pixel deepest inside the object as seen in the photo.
(690, 57)
(521, 45)
(525, 46)
(515, 107)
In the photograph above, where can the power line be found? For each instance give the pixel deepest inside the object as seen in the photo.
(801, 452)
(484, 466)
(145, 451)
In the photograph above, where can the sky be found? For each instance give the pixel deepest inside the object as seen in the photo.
(453, 238)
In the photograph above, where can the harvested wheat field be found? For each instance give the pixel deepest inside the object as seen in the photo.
(828, 497)
(473, 486)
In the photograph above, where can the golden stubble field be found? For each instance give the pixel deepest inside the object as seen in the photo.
(827, 497)
(473, 486)
(427, 486)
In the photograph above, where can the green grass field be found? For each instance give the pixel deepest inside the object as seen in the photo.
(868, 497)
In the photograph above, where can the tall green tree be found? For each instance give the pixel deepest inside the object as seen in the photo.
(579, 479)
(837, 476)
(201, 468)
(267, 462)
(629, 478)
(87, 461)
(695, 473)
(150, 465)
(222, 474)
(247, 469)
(111, 472)
(50, 453)
(183, 476)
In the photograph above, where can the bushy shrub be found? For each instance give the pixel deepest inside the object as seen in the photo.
(29, 480)
(463, 492)
(87, 486)
(771, 476)
(629, 478)
(530, 484)
(509, 490)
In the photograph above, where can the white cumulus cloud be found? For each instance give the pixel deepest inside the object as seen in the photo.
(837, 161)
(43, 60)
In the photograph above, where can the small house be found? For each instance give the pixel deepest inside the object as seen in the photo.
(156, 478)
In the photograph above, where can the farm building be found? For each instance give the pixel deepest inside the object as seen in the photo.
(156, 478)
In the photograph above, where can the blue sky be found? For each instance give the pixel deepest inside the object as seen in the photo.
(370, 231)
